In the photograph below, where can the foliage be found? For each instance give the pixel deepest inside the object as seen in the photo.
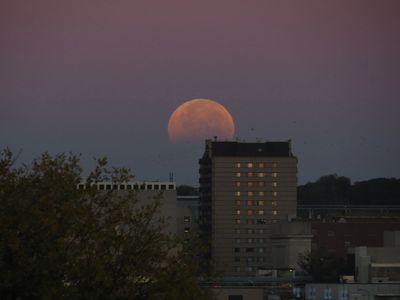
(322, 265)
(187, 190)
(334, 189)
(60, 242)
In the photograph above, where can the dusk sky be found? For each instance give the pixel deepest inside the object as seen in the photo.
(102, 78)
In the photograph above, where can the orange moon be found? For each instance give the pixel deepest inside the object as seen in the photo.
(200, 119)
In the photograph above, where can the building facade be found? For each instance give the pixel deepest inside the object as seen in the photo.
(244, 188)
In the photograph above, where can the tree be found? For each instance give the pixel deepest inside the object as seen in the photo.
(60, 242)
(322, 265)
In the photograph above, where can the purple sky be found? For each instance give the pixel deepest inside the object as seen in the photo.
(102, 77)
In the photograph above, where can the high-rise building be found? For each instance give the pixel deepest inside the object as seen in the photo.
(244, 188)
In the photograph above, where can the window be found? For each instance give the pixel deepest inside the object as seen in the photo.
(237, 221)
(250, 221)
(260, 231)
(331, 233)
(260, 202)
(81, 186)
(249, 202)
(275, 184)
(274, 212)
(261, 250)
(186, 229)
(249, 250)
(238, 203)
(237, 269)
(275, 194)
(261, 221)
(237, 174)
(122, 186)
(237, 194)
(250, 231)
(250, 212)
(128, 186)
(250, 184)
(237, 259)
(261, 183)
(249, 259)
(156, 187)
(237, 165)
(163, 186)
(274, 203)
(261, 212)
(171, 187)
(108, 186)
(186, 219)
(250, 194)
(249, 269)
(274, 174)
(237, 250)
(261, 193)
(249, 240)
(261, 175)
(237, 231)
(260, 259)
(261, 165)
(275, 165)
(261, 240)
(250, 174)
(249, 165)
(238, 211)
(237, 241)
(101, 186)
(237, 183)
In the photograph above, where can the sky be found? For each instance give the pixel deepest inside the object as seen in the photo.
(101, 78)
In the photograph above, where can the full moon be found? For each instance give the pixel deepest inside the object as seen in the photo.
(200, 119)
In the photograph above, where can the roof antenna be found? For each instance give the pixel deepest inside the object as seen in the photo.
(171, 177)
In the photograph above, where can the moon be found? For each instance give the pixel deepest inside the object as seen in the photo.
(200, 119)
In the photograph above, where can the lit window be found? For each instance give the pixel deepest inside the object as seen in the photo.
(260, 202)
(250, 174)
(261, 212)
(250, 184)
(249, 240)
(237, 221)
(249, 165)
(250, 194)
(275, 194)
(238, 212)
(237, 241)
(261, 175)
(186, 230)
(275, 165)
(275, 174)
(261, 165)
(275, 184)
(261, 250)
(186, 219)
(238, 203)
(261, 221)
(250, 212)
(274, 203)
(274, 212)
(237, 165)
(237, 193)
(249, 202)
(261, 183)
(237, 174)
(261, 240)
(238, 183)
(261, 193)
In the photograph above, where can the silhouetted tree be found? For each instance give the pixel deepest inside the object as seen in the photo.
(60, 242)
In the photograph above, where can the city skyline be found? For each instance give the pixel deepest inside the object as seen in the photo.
(102, 79)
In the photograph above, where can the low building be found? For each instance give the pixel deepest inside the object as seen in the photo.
(379, 264)
(340, 291)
